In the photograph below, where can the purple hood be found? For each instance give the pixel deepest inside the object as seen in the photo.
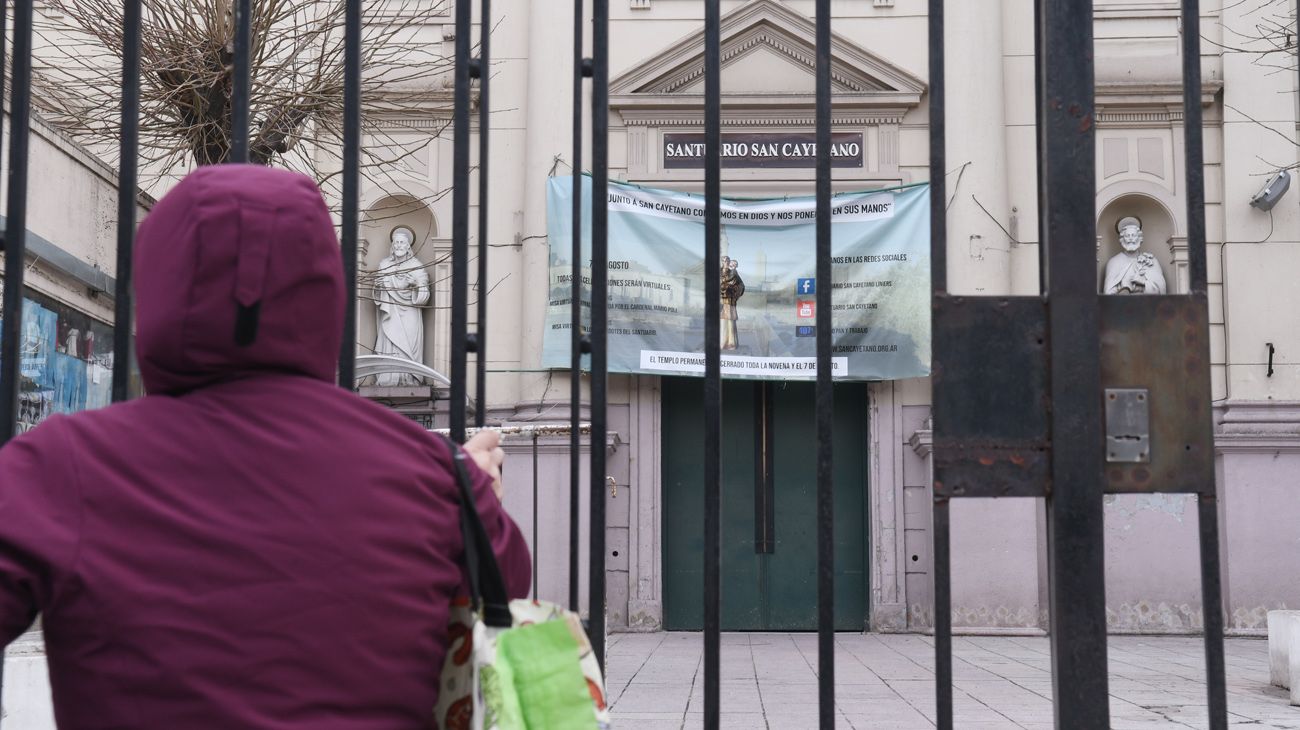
(238, 271)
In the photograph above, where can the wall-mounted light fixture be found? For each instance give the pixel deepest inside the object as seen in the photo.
(1277, 186)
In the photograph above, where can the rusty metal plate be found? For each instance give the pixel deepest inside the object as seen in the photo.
(1128, 425)
(1161, 344)
(990, 380)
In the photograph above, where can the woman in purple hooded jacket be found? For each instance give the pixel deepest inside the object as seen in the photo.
(249, 546)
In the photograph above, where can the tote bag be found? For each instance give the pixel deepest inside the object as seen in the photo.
(512, 665)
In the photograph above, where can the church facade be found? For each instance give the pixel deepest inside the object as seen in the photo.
(881, 117)
(883, 497)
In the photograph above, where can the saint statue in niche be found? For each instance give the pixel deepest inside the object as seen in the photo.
(732, 289)
(401, 291)
(1132, 271)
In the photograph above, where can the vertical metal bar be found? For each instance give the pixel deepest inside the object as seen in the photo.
(242, 82)
(1212, 600)
(1038, 124)
(824, 395)
(480, 335)
(15, 240)
(1076, 540)
(939, 285)
(760, 465)
(8, 415)
(351, 186)
(938, 154)
(1193, 146)
(1212, 605)
(536, 540)
(4, 24)
(764, 516)
(942, 615)
(460, 225)
(577, 339)
(712, 364)
(126, 197)
(1208, 517)
(599, 314)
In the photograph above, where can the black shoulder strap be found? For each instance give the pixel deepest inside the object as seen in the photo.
(487, 589)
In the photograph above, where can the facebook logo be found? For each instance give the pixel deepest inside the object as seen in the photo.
(807, 286)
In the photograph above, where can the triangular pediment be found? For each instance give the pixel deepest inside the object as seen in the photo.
(767, 50)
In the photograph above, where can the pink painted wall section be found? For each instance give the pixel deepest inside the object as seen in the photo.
(1153, 579)
(995, 563)
(1261, 515)
(1259, 480)
(1153, 559)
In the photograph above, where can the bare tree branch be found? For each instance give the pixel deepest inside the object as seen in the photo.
(296, 95)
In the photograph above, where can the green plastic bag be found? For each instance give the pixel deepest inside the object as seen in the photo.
(513, 665)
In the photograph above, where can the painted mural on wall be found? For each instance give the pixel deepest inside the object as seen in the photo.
(65, 361)
(880, 288)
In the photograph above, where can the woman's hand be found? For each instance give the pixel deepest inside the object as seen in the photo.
(485, 449)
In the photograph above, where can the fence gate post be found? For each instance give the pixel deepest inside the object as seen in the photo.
(1036, 396)
(1075, 523)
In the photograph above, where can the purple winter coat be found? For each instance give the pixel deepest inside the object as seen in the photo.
(249, 546)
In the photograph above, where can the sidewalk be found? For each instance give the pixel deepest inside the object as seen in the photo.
(887, 681)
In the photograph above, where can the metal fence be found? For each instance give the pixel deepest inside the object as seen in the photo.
(1061, 359)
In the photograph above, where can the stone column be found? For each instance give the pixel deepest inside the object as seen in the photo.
(548, 134)
(993, 541)
(362, 346)
(979, 250)
(1179, 280)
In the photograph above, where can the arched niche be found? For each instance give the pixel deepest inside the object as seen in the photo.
(379, 219)
(1159, 231)
(390, 212)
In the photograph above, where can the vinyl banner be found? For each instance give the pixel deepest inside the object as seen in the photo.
(880, 288)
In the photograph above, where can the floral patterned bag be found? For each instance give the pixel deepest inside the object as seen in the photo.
(512, 665)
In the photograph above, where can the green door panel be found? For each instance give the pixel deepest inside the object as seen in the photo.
(792, 568)
(775, 591)
(683, 509)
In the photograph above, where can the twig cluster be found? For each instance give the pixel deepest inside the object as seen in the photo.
(296, 95)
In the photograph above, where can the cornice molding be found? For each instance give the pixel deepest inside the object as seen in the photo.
(1152, 117)
(1122, 94)
(1257, 426)
(694, 118)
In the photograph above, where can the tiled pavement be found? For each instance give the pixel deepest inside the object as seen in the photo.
(887, 681)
